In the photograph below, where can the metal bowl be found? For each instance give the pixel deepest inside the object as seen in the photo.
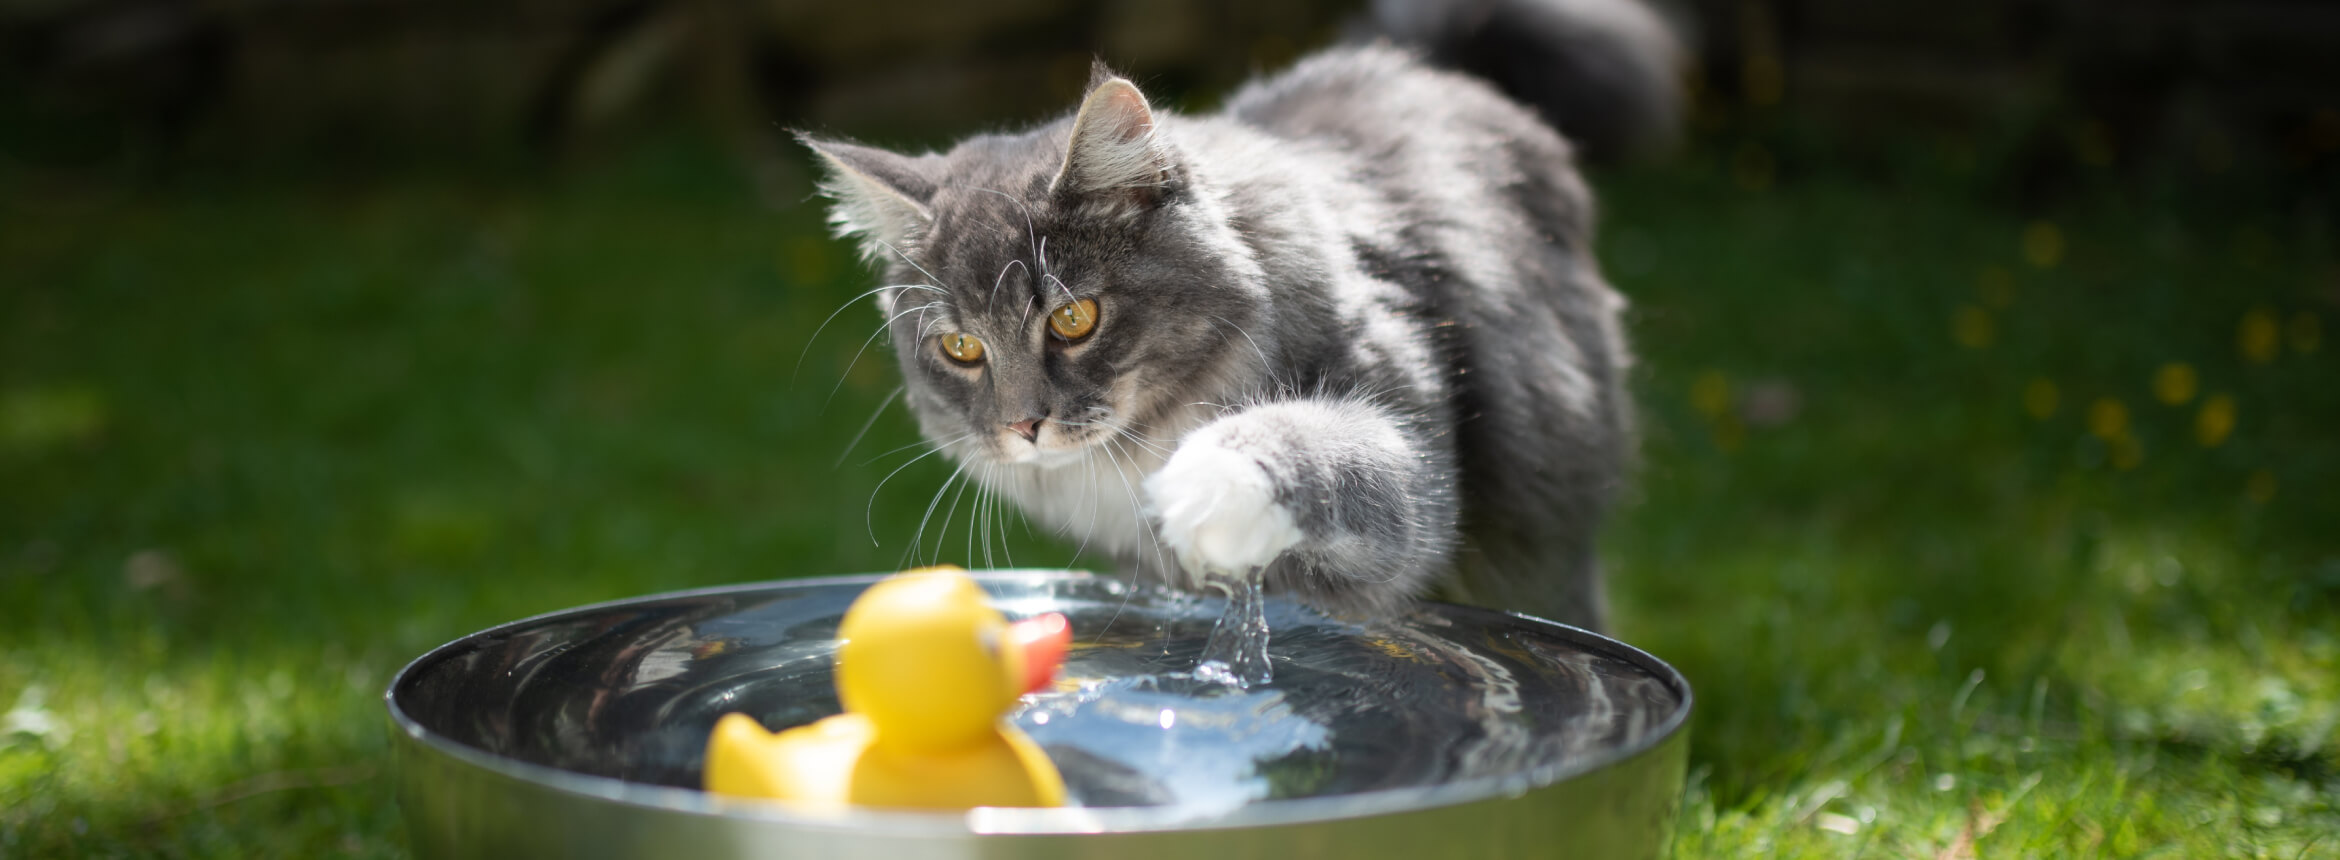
(580, 734)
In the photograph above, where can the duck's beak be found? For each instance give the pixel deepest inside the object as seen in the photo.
(1042, 641)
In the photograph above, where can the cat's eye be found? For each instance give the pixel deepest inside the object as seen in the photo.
(1073, 320)
(962, 347)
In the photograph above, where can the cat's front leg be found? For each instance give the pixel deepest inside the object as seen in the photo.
(1335, 499)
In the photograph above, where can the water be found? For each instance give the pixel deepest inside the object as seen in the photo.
(1236, 653)
(1138, 716)
(1141, 716)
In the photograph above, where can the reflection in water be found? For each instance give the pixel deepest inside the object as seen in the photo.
(1433, 696)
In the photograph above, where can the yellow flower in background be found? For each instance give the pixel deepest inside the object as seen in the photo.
(2174, 383)
(2306, 332)
(2127, 452)
(2039, 398)
(2215, 422)
(2259, 337)
(1711, 394)
(1996, 286)
(2043, 244)
(2261, 487)
(2108, 419)
(1971, 327)
(1729, 432)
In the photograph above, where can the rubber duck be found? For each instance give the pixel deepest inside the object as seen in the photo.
(926, 671)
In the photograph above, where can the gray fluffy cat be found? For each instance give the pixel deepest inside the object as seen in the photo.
(1347, 333)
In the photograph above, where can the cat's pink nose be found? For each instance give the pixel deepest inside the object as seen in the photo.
(1028, 428)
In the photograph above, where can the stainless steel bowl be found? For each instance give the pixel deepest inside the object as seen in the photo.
(577, 734)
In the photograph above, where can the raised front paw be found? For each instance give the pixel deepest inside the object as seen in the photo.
(1217, 510)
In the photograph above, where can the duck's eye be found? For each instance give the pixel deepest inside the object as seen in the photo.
(962, 347)
(1073, 320)
(989, 640)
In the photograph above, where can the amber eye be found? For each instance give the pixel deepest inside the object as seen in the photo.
(962, 347)
(1073, 320)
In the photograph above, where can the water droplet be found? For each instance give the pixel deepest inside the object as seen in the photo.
(1236, 653)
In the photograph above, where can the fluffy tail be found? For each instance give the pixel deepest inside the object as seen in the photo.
(1607, 73)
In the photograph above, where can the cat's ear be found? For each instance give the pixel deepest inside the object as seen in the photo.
(1114, 149)
(879, 197)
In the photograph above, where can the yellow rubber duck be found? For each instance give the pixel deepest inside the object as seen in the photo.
(926, 671)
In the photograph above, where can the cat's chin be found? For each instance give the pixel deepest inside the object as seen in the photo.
(1043, 458)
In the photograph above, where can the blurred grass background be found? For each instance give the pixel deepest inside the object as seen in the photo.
(1991, 433)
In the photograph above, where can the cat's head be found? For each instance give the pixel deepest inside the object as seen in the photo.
(1047, 290)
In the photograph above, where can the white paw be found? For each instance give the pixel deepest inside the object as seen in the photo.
(1218, 511)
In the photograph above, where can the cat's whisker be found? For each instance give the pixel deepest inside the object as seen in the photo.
(985, 512)
(1361, 395)
(984, 505)
(937, 445)
(1115, 455)
(1089, 467)
(918, 539)
(1221, 408)
(1163, 447)
(868, 512)
(951, 512)
(832, 317)
(999, 517)
(847, 373)
(1089, 460)
(999, 504)
(924, 320)
(906, 259)
(974, 525)
(892, 396)
(1031, 232)
(1264, 363)
(1124, 430)
(1003, 270)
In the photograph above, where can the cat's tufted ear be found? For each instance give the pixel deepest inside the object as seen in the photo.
(879, 197)
(1114, 149)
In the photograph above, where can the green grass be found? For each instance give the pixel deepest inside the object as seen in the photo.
(261, 442)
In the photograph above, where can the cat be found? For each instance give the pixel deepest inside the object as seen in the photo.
(1346, 334)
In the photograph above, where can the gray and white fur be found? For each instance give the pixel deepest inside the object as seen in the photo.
(1348, 332)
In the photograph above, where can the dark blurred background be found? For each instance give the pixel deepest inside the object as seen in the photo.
(2036, 94)
(1984, 371)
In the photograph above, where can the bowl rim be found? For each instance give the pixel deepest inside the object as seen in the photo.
(1011, 821)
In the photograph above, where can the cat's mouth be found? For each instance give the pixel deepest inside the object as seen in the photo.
(1054, 445)
(1112, 426)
